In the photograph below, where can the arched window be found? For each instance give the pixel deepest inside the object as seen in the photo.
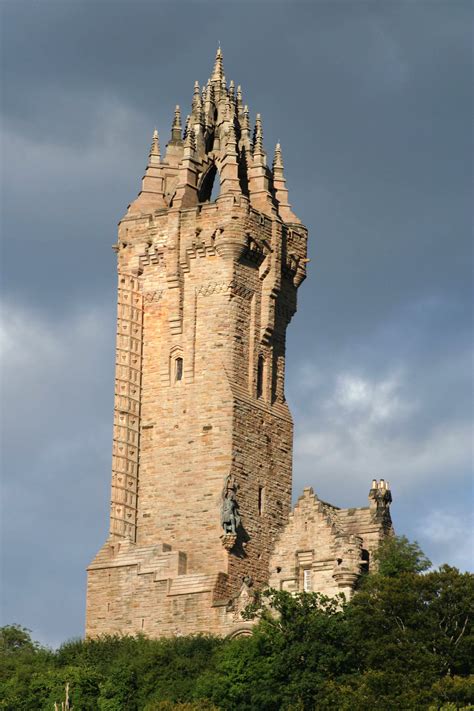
(260, 373)
(176, 365)
(178, 369)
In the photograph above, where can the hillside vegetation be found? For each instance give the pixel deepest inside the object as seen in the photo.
(405, 641)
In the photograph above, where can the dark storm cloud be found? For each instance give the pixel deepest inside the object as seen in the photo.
(372, 104)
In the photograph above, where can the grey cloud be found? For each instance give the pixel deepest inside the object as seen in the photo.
(57, 435)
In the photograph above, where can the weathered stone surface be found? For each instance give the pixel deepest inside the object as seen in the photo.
(205, 293)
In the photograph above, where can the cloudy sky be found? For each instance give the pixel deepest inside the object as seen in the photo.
(372, 102)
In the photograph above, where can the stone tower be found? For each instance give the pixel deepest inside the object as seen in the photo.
(202, 451)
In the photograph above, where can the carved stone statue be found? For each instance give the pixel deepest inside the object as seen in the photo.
(230, 517)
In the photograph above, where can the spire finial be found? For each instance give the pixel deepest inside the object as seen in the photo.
(277, 158)
(258, 136)
(239, 99)
(177, 117)
(218, 71)
(197, 103)
(176, 126)
(155, 145)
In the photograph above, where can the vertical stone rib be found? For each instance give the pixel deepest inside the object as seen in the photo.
(251, 366)
(128, 369)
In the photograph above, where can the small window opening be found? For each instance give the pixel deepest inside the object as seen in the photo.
(178, 369)
(261, 500)
(260, 366)
(307, 581)
(365, 561)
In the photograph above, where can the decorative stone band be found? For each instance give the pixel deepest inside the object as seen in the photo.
(233, 288)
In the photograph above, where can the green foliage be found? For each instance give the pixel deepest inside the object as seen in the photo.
(201, 705)
(397, 555)
(14, 639)
(404, 642)
(300, 642)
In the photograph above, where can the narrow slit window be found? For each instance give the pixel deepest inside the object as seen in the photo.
(307, 581)
(260, 367)
(178, 369)
(261, 500)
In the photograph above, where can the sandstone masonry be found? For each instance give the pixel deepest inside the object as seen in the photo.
(202, 453)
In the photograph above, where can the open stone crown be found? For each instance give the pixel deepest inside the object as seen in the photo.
(216, 139)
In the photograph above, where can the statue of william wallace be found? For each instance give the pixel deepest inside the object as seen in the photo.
(230, 517)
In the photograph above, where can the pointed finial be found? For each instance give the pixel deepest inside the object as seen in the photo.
(155, 145)
(176, 126)
(197, 103)
(239, 99)
(277, 158)
(258, 135)
(177, 117)
(244, 121)
(218, 70)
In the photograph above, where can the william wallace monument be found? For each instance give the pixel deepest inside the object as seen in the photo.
(200, 512)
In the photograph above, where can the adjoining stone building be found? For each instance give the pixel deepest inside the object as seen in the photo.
(202, 453)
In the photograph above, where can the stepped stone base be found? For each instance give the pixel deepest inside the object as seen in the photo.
(147, 589)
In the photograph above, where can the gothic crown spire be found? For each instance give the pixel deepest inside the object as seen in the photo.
(217, 138)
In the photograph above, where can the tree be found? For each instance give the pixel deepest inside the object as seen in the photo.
(396, 555)
(15, 638)
(298, 644)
